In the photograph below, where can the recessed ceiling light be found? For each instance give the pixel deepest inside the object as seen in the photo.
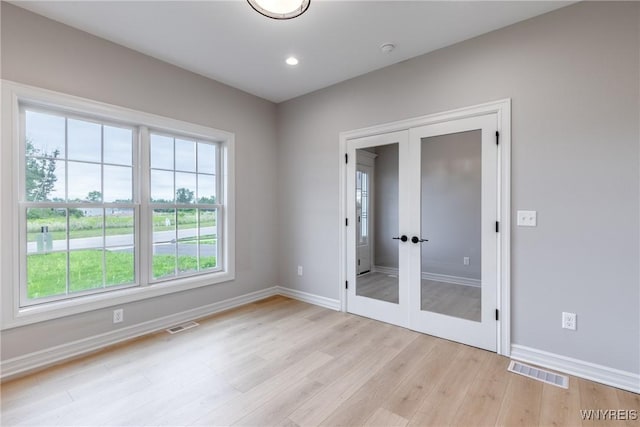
(292, 60)
(387, 47)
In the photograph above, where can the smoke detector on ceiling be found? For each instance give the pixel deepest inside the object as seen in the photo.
(387, 47)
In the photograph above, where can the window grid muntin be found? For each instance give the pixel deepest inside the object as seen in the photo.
(196, 206)
(24, 299)
(217, 138)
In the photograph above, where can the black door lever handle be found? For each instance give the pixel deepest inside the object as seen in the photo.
(416, 239)
(403, 238)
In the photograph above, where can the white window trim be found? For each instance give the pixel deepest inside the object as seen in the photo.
(15, 93)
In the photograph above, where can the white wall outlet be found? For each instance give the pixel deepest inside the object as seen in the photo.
(118, 315)
(527, 218)
(465, 260)
(569, 320)
(299, 270)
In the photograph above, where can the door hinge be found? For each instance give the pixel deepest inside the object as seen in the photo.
(346, 284)
(497, 227)
(346, 222)
(497, 137)
(346, 158)
(358, 262)
(497, 314)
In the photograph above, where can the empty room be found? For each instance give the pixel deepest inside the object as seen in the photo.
(319, 212)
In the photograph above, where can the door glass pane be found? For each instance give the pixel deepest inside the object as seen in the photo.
(450, 220)
(377, 223)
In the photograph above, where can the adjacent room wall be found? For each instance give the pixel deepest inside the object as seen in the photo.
(451, 204)
(44, 53)
(385, 215)
(451, 179)
(573, 77)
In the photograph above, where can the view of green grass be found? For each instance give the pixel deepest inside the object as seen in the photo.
(91, 226)
(46, 273)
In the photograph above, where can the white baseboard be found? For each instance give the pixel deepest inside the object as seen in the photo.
(456, 280)
(579, 368)
(385, 270)
(329, 303)
(43, 358)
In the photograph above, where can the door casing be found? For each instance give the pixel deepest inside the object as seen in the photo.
(502, 109)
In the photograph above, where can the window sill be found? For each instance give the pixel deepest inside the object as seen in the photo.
(54, 310)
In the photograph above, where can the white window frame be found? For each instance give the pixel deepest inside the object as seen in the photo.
(12, 96)
(134, 205)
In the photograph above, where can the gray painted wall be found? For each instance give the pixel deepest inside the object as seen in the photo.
(47, 54)
(385, 249)
(573, 77)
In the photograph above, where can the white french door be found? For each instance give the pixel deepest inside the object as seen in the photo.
(434, 254)
(383, 292)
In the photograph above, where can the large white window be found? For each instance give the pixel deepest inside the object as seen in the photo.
(111, 205)
(185, 206)
(77, 202)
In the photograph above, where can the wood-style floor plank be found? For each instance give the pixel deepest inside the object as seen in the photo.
(357, 408)
(561, 406)
(485, 394)
(441, 405)
(280, 362)
(522, 402)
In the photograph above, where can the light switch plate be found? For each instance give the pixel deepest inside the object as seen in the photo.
(527, 218)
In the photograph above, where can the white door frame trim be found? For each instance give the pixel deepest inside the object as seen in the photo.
(502, 108)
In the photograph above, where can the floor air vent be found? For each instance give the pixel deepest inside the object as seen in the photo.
(539, 374)
(182, 327)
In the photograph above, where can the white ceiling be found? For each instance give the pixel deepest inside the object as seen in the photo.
(334, 40)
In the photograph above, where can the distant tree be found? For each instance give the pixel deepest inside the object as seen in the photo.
(40, 176)
(211, 200)
(184, 195)
(94, 196)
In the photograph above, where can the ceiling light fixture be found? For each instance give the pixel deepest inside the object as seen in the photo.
(292, 60)
(280, 9)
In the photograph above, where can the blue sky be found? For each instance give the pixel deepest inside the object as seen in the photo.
(85, 144)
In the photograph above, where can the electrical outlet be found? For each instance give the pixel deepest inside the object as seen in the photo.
(299, 270)
(118, 315)
(569, 321)
(465, 260)
(527, 218)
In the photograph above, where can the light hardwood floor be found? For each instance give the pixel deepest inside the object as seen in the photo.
(285, 363)
(438, 297)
